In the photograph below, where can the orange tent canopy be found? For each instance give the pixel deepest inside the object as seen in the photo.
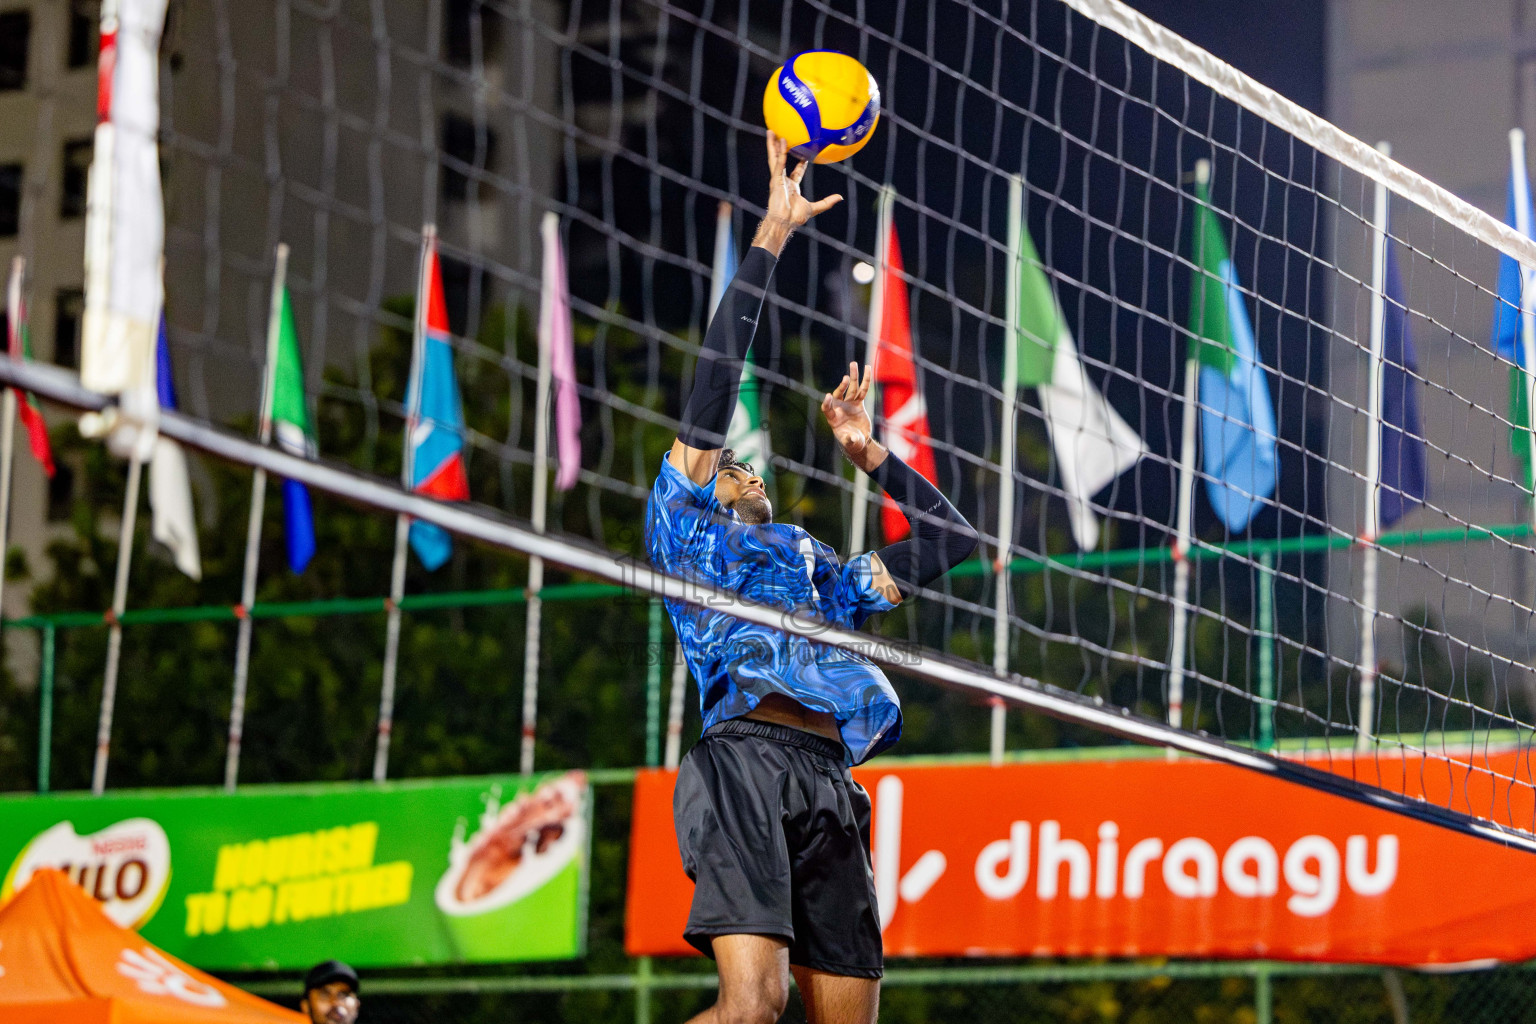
(62, 961)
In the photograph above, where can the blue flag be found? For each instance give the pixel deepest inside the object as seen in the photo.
(1506, 310)
(436, 440)
(1404, 475)
(290, 423)
(1237, 420)
(1509, 317)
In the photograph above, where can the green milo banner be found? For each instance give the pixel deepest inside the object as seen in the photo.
(473, 870)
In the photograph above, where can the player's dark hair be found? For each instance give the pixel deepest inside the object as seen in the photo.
(728, 460)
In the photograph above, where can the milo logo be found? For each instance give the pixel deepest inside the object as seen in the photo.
(126, 866)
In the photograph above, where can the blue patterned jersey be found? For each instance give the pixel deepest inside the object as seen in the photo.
(737, 663)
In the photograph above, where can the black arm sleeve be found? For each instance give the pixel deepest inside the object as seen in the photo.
(941, 538)
(707, 415)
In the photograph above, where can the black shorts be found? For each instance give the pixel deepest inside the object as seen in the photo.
(774, 833)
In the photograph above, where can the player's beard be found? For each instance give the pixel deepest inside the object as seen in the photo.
(753, 510)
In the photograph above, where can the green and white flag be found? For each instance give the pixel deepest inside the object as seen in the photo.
(290, 421)
(1093, 443)
(746, 435)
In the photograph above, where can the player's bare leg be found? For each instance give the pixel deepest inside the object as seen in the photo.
(754, 980)
(837, 998)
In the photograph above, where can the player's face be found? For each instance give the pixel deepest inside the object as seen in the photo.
(743, 493)
(334, 1003)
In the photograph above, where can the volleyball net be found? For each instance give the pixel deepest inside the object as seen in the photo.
(1239, 405)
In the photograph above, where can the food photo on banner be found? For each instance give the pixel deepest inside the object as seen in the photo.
(1142, 856)
(476, 870)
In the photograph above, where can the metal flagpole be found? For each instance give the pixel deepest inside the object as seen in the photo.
(8, 417)
(653, 687)
(1184, 528)
(871, 355)
(115, 624)
(142, 450)
(1369, 598)
(1183, 538)
(403, 522)
(1000, 563)
(548, 229)
(675, 709)
(253, 527)
(1266, 671)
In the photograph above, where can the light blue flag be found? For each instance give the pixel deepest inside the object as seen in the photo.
(437, 438)
(1237, 419)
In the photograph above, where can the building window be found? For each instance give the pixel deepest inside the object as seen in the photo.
(462, 21)
(465, 290)
(10, 199)
(460, 146)
(15, 37)
(77, 169)
(84, 33)
(68, 315)
(61, 492)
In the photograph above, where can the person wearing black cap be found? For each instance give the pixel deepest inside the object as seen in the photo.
(330, 994)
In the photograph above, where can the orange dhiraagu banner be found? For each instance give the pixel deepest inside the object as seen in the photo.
(1183, 858)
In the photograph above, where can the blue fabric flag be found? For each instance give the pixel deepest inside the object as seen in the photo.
(298, 525)
(164, 386)
(1404, 473)
(437, 438)
(1509, 319)
(1237, 421)
(1506, 311)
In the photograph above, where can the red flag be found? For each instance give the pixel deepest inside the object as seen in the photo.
(901, 394)
(20, 349)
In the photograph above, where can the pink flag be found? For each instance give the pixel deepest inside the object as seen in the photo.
(557, 343)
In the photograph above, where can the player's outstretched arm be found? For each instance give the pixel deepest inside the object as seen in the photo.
(707, 414)
(941, 538)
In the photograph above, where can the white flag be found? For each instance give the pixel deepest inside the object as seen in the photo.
(170, 499)
(170, 488)
(125, 215)
(1093, 443)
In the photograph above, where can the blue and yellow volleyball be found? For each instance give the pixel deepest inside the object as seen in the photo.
(824, 104)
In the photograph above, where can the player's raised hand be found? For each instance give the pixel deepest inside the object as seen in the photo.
(844, 409)
(784, 199)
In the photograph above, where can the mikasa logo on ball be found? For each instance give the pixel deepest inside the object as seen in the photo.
(799, 95)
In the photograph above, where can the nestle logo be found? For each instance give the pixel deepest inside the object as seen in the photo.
(799, 95)
(122, 844)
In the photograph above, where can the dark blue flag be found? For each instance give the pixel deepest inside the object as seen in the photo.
(1404, 476)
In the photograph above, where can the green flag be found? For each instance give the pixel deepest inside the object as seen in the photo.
(290, 421)
(1093, 444)
(290, 411)
(1040, 322)
(747, 434)
(1210, 323)
(1237, 419)
(1520, 423)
